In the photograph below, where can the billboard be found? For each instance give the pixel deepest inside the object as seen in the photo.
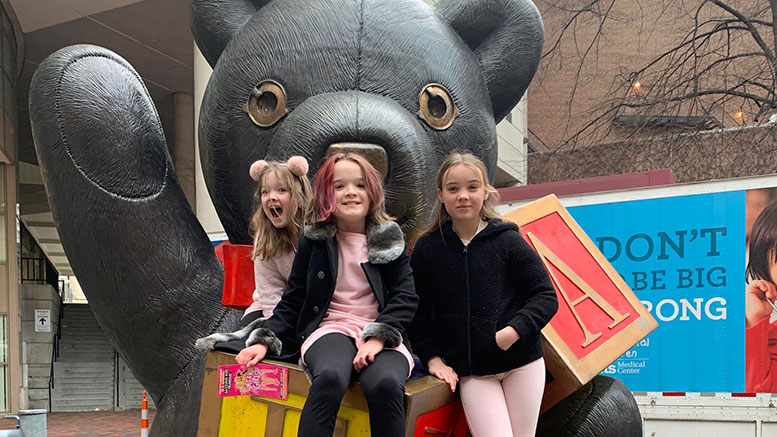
(684, 258)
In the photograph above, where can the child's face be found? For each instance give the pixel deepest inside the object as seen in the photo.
(352, 203)
(276, 200)
(462, 193)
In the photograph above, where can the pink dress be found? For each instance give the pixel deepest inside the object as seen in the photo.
(271, 277)
(353, 304)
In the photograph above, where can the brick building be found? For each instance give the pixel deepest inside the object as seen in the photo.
(591, 57)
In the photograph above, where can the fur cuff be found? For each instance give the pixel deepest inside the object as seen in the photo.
(391, 336)
(207, 343)
(266, 337)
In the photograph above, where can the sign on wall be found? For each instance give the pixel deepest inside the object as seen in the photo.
(42, 320)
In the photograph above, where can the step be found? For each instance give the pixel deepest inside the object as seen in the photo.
(81, 328)
(68, 393)
(67, 323)
(87, 347)
(86, 359)
(94, 368)
(99, 381)
(101, 354)
(77, 307)
(94, 383)
(85, 337)
(79, 318)
(79, 365)
(82, 373)
(73, 329)
(82, 365)
(83, 377)
(65, 378)
(94, 397)
(73, 342)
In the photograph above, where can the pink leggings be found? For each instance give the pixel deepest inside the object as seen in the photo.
(504, 404)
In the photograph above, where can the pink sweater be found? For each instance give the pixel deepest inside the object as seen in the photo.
(353, 305)
(271, 277)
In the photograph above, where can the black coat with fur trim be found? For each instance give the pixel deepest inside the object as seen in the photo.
(312, 283)
(469, 293)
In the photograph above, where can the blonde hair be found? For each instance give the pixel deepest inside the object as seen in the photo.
(440, 214)
(269, 241)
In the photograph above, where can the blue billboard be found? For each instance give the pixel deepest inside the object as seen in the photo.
(684, 258)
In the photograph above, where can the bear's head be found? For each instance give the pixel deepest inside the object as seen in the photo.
(407, 81)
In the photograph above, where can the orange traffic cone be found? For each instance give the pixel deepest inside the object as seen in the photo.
(144, 416)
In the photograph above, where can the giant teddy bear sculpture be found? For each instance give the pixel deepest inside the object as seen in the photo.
(409, 81)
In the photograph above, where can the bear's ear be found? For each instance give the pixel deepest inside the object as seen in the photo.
(506, 37)
(214, 22)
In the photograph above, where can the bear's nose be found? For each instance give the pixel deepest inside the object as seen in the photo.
(374, 153)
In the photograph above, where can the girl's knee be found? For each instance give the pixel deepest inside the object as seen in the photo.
(383, 386)
(331, 380)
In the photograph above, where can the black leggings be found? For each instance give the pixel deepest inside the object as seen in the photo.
(330, 360)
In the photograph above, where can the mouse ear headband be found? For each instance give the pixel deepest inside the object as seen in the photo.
(298, 166)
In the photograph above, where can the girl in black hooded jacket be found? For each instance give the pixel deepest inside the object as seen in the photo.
(484, 298)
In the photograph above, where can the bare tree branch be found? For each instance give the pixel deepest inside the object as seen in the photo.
(722, 62)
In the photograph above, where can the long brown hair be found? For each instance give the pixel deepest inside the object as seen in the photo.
(440, 214)
(270, 242)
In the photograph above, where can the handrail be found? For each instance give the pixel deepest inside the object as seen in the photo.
(51, 371)
(55, 346)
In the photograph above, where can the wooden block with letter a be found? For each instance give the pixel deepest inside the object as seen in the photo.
(599, 317)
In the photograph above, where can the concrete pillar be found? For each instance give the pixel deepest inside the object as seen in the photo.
(183, 149)
(12, 285)
(205, 210)
(37, 346)
(511, 161)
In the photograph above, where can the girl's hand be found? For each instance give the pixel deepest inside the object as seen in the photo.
(758, 297)
(439, 369)
(367, 352)
(251, 355)
(506, 336)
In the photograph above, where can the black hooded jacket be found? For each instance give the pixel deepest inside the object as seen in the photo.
(468, 293)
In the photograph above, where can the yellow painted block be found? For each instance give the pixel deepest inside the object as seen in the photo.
(291, 423)
(241, 416)
(358, 421)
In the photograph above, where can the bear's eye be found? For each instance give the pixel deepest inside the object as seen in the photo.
(267, 103)
(437, 107)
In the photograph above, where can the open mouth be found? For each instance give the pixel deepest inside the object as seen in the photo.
(276, 211)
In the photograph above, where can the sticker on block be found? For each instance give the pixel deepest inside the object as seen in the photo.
(260, 380)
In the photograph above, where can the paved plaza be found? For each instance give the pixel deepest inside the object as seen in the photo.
(90, 423)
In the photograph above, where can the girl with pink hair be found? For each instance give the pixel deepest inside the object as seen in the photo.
(349, 299)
